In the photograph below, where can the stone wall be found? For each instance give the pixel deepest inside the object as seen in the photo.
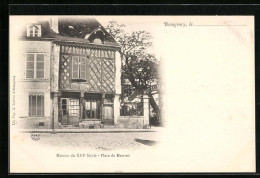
(136, 122)
(132, 122)
(35, 123)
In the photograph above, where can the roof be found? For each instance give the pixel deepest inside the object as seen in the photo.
(47, 32)
(79, 42)
(76, 29)
(73, 30)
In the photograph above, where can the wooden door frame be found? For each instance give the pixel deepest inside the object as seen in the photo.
(67, 108)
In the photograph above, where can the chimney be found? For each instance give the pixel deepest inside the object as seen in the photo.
(54, 24)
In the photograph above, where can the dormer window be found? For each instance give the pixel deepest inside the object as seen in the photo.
(34, 31)
(97, 36)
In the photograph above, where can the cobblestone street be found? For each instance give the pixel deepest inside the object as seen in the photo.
(99, 141)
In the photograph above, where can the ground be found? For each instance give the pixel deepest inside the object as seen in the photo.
(100, 141)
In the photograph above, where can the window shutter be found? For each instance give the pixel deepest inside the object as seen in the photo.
(33, 106)
(40, 101)
(36, 105)
(75, 67)
(83, 68)
(39, 31)
(31, 31)
(30, 66)
(42, 106)
(30, 105)
(40, 66)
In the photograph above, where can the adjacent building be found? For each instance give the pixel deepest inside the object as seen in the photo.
(33, 99)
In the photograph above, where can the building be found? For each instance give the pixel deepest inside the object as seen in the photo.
(33, 97)
(71, 74)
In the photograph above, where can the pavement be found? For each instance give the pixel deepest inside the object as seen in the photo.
(91, 139)
(104, 130)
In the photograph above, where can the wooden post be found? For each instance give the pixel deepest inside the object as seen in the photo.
(102, 106)
(55, 110)
(81, 102)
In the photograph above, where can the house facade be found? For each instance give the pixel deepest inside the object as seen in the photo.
(70, 76)
(33, 76)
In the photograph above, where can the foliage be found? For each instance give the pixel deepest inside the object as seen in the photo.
(138, 66)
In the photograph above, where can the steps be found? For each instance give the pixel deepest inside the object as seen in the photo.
(69, 126)
(91, 124)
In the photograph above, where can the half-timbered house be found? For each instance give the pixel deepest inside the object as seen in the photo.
(85, 84)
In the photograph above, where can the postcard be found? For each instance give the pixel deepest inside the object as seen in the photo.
(122, 94)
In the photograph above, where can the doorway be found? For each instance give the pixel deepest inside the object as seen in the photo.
(92, 109)
(69, 111)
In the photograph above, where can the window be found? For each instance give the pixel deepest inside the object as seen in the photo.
(34, 31)
(92, 109)
(36, 105)
(79, 68)
(70, 106)
(34, 66)
(74, 107)
(64, 106)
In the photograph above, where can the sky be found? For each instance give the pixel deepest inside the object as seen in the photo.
(135, 23)
(150, 24)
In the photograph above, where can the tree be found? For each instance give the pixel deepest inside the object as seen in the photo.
(138, 66)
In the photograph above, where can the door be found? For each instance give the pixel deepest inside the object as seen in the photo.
(70, 111)
(73, 111)
(92, 109)
(108, 112)
(64, 111)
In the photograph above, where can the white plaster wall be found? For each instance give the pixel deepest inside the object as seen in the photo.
(34, 47)
(23, 101)
(25, 86)
(117, 87)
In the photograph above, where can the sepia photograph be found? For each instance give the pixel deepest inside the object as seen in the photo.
(159, 93)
